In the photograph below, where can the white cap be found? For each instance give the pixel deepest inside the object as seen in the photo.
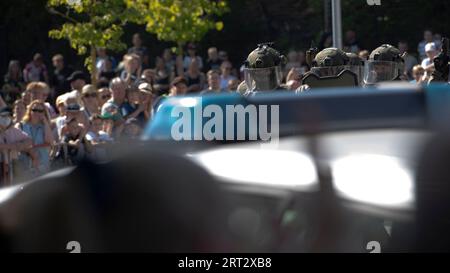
(430, 47)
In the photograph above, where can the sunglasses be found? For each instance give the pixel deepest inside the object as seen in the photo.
(38, 110)
(106, 97)
(91, 95)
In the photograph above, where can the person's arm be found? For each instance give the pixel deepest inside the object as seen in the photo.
(137, 112)
(48, 135)
(2, 102)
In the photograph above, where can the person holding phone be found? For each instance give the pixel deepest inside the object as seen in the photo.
(36, 124)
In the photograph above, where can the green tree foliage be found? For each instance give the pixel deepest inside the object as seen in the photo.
(180, 21)
(91, 24)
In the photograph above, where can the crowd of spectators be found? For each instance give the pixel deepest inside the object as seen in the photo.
(52, 117)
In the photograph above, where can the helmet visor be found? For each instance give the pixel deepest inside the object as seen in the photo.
(380, 71)
(329, 71)
(263, 79)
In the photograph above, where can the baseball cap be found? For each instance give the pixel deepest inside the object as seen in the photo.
(430, 47)
(77, 75)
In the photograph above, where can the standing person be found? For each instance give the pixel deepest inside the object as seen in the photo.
(19, 110)
(140, 50)
(36, 70)
(41, 91)
(134, 108)
(74, 139)
(194, 77)
(60, 75)
(169, 61)
(132, 68)
(111, 109)
(418, 74)
(98, 139)
(192, 54)
(13, 83)
(351, 44)
(226, 76)
(104, 94)
(89, 98)
(163, 77)
(213, 62)
(12, 142)
(36, 124)
(410, 60)
(213, 77)
(178, 87)
(77, 81)
(427, 63)
(427, 38)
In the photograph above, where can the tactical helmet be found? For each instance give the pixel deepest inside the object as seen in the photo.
(330, 62)
(385, 64)
(262, 69)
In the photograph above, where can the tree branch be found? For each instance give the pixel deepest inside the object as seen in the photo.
(54, 11)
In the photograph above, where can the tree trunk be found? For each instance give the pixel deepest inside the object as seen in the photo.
(180, 68)
(93, 67)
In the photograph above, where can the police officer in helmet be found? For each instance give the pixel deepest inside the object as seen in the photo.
(385, 64)
(263, 70)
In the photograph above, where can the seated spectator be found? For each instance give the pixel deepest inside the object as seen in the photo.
(36, 71)
(427, 63)
(104, 94)
(192, 54)
(213, 77)
(140, 50)
(132, 68)
(13, 83)
(12, 142)
(410, 61)
(226, 76)
(89, 98)
(76, 147)
(418, 74)
(36, 124)
(213, 62)
(194, 77)
(60, 75)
